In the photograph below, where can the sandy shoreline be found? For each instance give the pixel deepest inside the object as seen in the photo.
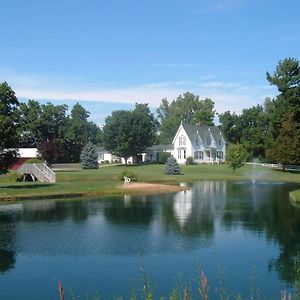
(152, 188)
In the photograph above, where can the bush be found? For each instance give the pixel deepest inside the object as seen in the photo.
(130, 174)
(172, 167)
(189, 160)
(163, 157)
(15, 177)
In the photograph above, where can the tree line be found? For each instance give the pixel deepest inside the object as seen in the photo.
(269, 132)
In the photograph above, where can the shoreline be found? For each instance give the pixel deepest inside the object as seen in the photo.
(133, 188)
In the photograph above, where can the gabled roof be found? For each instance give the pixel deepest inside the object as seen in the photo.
(161, 147)
(193, 130)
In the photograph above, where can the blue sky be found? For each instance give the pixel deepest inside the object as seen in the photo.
(110, 54)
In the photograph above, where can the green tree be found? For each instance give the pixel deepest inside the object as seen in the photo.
(129, 133)
(79, 131)
(286, 148)
(253, 125)
(236, 156)
(40, 123)
(230, 127)
(9, 105)
(30, 124)
(187, 108)
(89, 157)
(287, 80)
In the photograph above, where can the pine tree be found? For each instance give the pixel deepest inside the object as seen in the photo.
(172, 167)
(89, 157)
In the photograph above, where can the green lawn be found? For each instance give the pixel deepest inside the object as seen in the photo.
(105, 179)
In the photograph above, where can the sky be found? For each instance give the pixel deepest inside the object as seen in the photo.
(108, 55)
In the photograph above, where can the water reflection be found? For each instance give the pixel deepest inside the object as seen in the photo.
(165, 224)
(7, 243)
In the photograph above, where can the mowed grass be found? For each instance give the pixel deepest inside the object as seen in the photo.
(105, 180)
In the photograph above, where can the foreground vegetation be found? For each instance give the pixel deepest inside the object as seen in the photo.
(106, 180)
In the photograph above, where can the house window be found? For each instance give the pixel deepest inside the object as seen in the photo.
(220, 154)
(197, 143)
(179, 154)
(182, 140)
(198, 155)
(208, 141)
(219, 142)
(184, 154)
(101, 156)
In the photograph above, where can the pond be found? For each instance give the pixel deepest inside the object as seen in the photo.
(244, 237)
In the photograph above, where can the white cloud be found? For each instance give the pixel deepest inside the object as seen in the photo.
(227, 95)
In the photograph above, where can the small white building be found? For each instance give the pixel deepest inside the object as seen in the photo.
(105, 156)
(205, 144)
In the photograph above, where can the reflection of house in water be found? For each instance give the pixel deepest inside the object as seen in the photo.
(183, 206)
(210, 187)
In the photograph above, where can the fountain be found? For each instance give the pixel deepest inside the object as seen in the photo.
(255, 174)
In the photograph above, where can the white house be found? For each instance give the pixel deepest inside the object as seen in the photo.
(105, 156)
(205, 144)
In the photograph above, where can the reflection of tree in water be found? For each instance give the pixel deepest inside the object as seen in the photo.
(52, 211)
(266, 209)
(7, 243)
(130, 211)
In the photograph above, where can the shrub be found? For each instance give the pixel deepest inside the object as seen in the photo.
(89, 157)
(15, 176)
(129, 174)
(172, 167)
(163, 157)
(189, 160)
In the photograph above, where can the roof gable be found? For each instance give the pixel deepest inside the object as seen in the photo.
(201, 131)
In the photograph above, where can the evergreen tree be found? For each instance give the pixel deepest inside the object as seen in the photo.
(172, 167)
(89, 156)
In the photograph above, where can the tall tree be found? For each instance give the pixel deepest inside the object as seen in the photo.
(30, 124)
(40, 123)
(187, 108)
(230, 127)
(287, 79)
(286, 148)
(9, 105)
(254, 131)
(79, 131)
(129, 133)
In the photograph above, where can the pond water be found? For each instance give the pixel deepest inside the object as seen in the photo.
(244, 237)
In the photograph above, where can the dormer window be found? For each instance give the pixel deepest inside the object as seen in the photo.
(197, 142)
(219, 142)
(182, 141)
(208, 140)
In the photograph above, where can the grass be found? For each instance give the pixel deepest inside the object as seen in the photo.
(105, 180)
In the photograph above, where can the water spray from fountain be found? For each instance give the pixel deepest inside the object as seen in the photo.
(256, 171)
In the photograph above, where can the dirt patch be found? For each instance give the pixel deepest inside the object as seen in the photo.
(152, 188)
